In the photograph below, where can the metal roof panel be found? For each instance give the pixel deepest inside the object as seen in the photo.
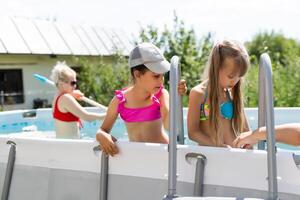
(31, 36)
(27, 36)
(95, 40)
(86, 40)
(110, 46)
(72, 39)
(2, 48)
(52, 37)
(124, 39)
(120, 47)
(11, 38)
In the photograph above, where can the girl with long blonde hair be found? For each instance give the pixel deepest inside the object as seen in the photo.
(216, 110)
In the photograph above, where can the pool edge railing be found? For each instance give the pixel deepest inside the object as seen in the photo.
(9, 170)
(266, 118)
(176, 127)
(103, 173)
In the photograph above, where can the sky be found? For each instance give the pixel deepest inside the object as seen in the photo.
(226, 19)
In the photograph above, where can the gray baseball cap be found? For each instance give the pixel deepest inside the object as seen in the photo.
(149, 55)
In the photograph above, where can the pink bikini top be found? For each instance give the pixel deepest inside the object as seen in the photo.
(148, 113)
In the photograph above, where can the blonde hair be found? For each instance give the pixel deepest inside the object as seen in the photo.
(221, 51)
(60, 72)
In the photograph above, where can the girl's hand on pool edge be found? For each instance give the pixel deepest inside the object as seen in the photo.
(245, 140)
(107, 143)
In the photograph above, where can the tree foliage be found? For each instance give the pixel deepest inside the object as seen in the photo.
(183, 42)
(285, 57)
(99, 79)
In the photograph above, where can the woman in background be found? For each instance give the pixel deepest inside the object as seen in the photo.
(67, 112)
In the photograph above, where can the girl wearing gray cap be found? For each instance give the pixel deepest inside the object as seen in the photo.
(144, 106)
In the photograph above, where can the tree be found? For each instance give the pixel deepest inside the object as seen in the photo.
(99, 80)
(281, 49)
(183, 42)
(285, 56)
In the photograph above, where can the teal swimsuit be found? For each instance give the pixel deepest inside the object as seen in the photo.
(226, 108)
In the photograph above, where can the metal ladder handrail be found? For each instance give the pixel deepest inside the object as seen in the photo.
(104, 173)
(178, 108)
(296, 158)
(176, 127)
(9, 170)
(199, 172)
(176, 100)
(266, 118)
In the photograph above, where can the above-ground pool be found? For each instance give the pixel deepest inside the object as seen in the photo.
(40, 120)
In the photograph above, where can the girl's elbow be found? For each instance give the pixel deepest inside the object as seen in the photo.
(191, 135)
(298, 139)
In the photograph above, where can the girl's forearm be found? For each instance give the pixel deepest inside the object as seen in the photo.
(260, 133)
(201, 139)
(165, 117)
(287, 133)
(89, 116)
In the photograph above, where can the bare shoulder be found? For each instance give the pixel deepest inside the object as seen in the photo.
(114, 102)
(164, 92)
(113, 106)
(198, 92)
(67, 98)
(68, 103)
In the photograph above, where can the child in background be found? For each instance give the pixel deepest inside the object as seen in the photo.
(67, 112)
(216, 111)
(144, 106)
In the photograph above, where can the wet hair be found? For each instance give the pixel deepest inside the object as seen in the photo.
(60, 72)
(221, 51)
(141, 68)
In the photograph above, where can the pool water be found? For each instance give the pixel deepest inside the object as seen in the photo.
(15, 122)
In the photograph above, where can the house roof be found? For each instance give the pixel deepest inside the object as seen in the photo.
(31, 36)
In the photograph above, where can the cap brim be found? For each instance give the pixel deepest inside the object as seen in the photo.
(159, 67)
